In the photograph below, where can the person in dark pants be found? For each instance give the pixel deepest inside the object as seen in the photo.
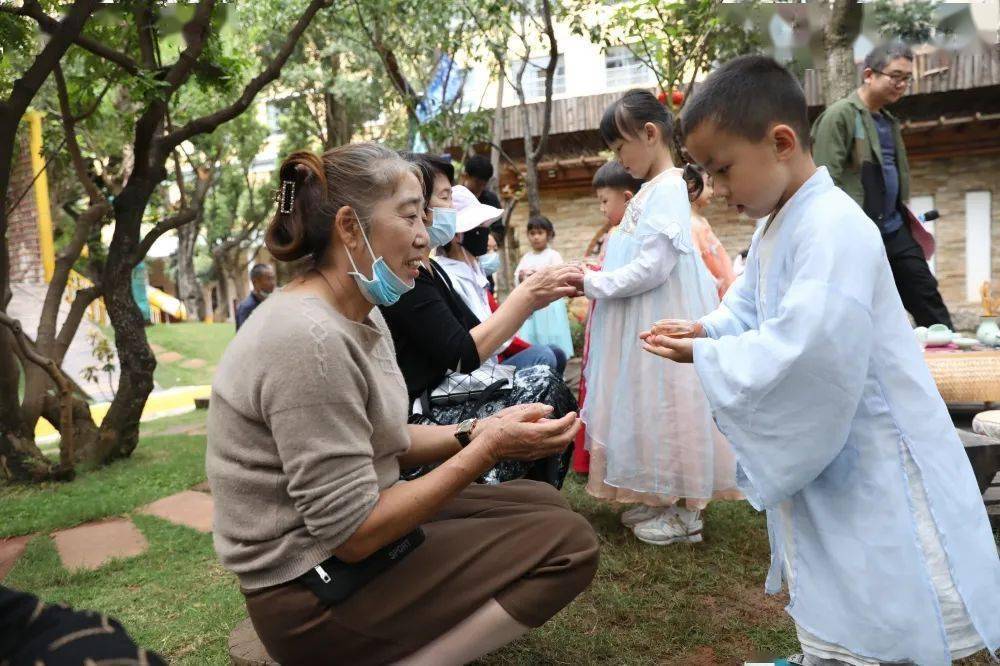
(861, 145)
(262, 277)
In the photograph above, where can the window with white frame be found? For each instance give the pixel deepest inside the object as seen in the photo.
(622, 68)
(534, 77)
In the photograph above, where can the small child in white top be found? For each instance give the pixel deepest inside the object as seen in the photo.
(550, 325)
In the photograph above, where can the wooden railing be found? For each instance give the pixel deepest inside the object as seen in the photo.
(936, 71)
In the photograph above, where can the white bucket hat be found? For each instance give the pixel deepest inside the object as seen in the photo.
(471, 213)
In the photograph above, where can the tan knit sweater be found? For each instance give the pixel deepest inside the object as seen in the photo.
(306, 423)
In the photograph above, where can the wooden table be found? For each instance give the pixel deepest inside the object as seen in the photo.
(966, 376)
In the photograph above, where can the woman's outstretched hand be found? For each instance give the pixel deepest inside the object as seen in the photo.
(523, 432)
(548, 285)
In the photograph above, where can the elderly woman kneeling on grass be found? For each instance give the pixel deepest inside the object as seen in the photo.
(339, 561)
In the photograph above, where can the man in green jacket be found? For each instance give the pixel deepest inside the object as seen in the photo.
(861, 145)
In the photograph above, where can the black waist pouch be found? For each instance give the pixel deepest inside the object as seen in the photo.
(333, 580)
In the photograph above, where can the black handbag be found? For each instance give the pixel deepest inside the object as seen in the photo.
(535, 384)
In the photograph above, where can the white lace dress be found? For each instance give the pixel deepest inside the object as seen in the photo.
(649, 428)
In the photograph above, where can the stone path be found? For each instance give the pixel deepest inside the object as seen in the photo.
(189, 508)
(91, 545)
(10, 550)
(168, 357)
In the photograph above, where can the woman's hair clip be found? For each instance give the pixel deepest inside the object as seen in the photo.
(286, 196)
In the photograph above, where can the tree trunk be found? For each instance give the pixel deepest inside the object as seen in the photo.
(222, 276)
(88, 448)
(188, 286)
(840, 72)
(120, 428)
(338, 125)
(530, 168)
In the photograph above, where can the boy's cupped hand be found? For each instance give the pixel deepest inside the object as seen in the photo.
(680, 350)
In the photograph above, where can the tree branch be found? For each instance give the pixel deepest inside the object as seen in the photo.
(49, 25)
(72, 145)
(179, 219)
(63, 36)
(208, 123)
(77, 310)
(52, 369)
(195, 33)
(550, 72)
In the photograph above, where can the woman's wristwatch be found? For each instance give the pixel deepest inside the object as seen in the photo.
(464, 432)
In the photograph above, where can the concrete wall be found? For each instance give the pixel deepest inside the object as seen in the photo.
(22, 233)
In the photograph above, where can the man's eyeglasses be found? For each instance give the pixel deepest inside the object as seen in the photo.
(896, 77)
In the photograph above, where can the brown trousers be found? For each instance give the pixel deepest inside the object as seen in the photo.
(517, 542)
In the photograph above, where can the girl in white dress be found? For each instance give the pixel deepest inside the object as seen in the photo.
(550, 325)
(649, 429)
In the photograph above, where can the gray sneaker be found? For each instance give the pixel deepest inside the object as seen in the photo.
(674, 525)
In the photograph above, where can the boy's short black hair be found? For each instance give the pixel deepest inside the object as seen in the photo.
(479, 167)
(745, 97)
(614, 176)
(542, 222)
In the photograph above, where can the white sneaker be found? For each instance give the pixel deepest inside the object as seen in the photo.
(639, 514)
(675, 525)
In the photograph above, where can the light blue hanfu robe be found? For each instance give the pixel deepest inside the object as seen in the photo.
(821, 388)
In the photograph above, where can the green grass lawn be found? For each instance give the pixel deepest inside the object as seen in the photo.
(701, 604)
(161, 465)
(191, 340)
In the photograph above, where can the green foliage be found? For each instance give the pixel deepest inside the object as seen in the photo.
(16, 41)
(912, 22)
(104, 370)
(677, 39)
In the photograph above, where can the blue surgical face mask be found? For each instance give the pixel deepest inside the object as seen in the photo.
(490, 263)
(385, 287)
(443, 228)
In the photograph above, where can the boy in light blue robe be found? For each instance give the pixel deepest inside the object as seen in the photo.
(875, 520)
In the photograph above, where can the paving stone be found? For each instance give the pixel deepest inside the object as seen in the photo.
(10, 550)
(156, 349)
(90, 546)
(202, 487)
(189, 508)
(194, 363)
(168, 357)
